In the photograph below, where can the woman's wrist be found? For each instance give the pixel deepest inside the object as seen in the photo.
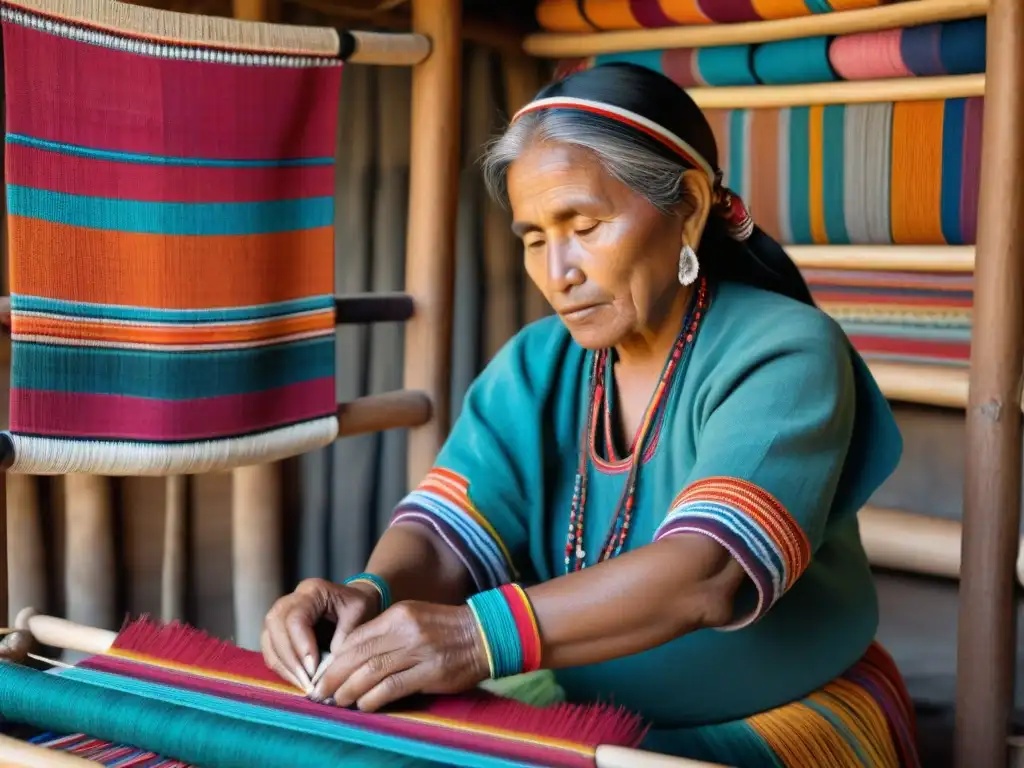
(508, 630)
(373, 585)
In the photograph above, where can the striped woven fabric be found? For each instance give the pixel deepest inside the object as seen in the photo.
(171, 245)
(605, 15)
(900, 317)
(948, 48)
(903, 173)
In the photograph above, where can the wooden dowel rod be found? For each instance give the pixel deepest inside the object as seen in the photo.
(915, 543)
(173, 581)
(256, 556)
(895, 16)
(349, 310)
(374, 308)
(433, 207)
(622, 757)
(26, 554)
(89, 557)
(940, 386)
(885, 258)
(21, 754)
(986, 647)
(384, 49)
(65, 634)
(845, 92)
(391, 410)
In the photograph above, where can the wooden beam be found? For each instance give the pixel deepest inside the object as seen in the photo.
(256, 504)
(433, 209)
(986, 648)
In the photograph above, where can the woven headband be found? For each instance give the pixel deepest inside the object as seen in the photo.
(728, 204)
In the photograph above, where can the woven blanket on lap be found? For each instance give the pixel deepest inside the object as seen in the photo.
(170, 186)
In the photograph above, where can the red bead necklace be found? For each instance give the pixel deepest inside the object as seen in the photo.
(618, 533)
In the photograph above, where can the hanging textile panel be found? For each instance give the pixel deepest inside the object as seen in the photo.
(171, 690)
(170, 203)
(894, 173)
(606, 15)
(900, 316)
(947, 48)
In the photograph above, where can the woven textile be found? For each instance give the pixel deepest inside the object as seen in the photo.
(904, 173)
(605, 15)
(170, 203)
(900, 317)
(171, 690)
(949, 48)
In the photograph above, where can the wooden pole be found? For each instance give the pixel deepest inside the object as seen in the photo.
(26, 555)
(433, 205)
(90, 558)
(987, 619)
(174, 571)
(256, 499)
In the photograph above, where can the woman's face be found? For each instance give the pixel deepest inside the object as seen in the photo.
(603, 256)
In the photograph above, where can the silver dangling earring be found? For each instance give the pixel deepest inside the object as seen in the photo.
(688, 266)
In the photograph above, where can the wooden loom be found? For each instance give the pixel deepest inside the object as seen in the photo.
(990, 389)
(990, 384)
(433, 51)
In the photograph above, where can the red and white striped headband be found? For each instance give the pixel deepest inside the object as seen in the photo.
(638, 122)
(728, 205)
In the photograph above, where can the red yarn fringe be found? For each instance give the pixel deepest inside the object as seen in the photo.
(586, 725)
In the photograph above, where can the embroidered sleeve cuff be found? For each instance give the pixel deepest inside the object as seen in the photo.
(750, 523)
(442, 503)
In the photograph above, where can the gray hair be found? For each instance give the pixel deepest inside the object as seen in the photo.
(657, 178)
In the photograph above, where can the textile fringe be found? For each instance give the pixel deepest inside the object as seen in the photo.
(53, 456)
(190, 29)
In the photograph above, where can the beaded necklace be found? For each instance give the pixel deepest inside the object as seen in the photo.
(575, 555)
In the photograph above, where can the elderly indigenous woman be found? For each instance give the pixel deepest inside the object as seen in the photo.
(653, 493)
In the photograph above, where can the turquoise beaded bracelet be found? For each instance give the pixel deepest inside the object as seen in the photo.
(378, 584)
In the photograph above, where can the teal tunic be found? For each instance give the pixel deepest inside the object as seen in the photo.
(774, 435)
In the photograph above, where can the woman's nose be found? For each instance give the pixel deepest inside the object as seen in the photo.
(563, 269)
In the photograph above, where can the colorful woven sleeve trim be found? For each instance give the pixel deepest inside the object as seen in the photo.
(443, 503)
(756, 529)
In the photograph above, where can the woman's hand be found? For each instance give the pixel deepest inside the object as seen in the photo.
(288, 640)
(411, 648)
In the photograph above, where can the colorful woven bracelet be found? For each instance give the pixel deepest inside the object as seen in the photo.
(509, 630)
(378, 583)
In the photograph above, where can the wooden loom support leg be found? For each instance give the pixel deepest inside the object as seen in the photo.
(986, 631)
(256, 513)
(89, 554)
(26, 553)
(256, 549)
(173, 575)
(433, 206)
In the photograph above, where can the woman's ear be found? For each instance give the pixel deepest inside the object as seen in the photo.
(698, 196)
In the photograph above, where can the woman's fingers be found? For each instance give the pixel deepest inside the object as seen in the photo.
(397, 686)
(377, 668)
(273, 661)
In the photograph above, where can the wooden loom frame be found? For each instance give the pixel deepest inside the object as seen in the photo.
(984, 556)
(991, 390)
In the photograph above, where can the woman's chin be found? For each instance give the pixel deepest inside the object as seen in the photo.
(592, 338)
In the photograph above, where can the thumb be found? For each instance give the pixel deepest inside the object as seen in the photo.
(352, 610)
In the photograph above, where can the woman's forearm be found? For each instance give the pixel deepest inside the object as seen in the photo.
(418, 565)
(636, 602)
